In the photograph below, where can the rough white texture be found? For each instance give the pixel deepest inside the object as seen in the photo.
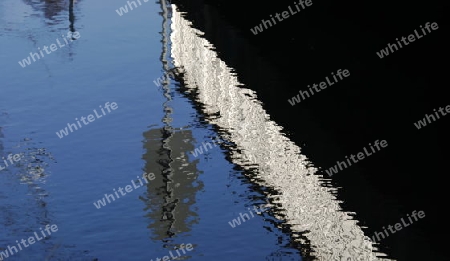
(333, 234)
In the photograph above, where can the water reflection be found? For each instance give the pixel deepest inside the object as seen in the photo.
(170, 196)
(71, 18)
(52, 10)
(24, 177)
(25, 203)
(56, 13)
(309, 208)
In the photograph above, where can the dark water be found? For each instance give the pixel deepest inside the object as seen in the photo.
(153, 129)
(381, 100)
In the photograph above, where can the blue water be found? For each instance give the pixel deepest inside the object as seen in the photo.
(115, 59)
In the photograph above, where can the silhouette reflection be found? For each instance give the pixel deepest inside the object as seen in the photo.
(171, 194)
